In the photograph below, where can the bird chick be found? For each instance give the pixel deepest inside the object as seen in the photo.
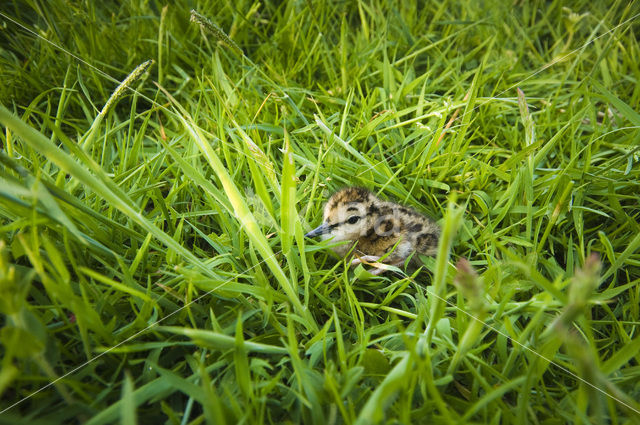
(376, 227)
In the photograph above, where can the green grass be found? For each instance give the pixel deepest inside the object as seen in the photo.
(153, 267)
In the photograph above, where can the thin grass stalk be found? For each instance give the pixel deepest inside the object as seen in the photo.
(452, 222)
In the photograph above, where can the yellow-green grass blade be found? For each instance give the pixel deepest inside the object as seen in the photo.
(217, 341)
(246, 218)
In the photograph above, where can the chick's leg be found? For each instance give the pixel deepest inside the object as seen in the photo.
(381, 268)
(364, 259)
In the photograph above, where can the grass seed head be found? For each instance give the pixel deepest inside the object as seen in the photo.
(470, 286)
(215, 30)
(125, 84)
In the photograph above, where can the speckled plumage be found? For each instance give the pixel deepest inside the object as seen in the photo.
(376, 226)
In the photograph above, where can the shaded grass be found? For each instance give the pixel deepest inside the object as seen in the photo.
(186, 203)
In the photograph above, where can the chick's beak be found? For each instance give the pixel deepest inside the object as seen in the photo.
(323, 228)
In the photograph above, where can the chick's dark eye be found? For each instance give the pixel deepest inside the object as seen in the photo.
(353, 220)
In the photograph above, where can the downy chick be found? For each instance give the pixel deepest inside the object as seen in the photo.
(355, 214)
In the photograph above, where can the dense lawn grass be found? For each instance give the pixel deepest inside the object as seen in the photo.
(153, 267)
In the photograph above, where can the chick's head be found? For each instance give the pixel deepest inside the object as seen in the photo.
(347, 215)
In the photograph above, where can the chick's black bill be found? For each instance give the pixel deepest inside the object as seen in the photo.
(320, 230)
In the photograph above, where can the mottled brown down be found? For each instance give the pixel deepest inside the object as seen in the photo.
(376, 227)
